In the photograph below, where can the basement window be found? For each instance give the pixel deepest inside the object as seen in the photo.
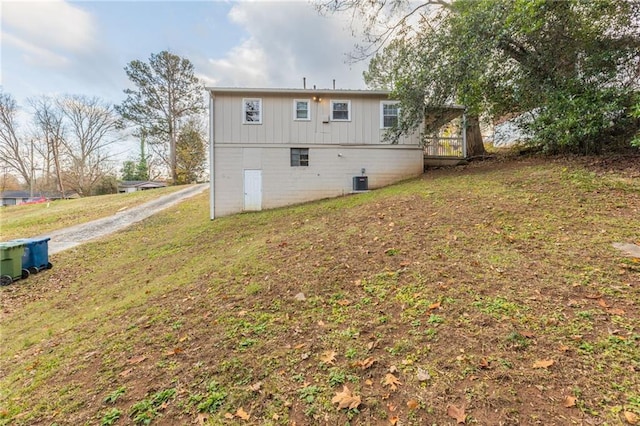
(252, 111)
(299, 157)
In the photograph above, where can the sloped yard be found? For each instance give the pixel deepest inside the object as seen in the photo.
(486, 294)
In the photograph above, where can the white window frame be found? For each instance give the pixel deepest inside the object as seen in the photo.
(295, 109)
(339, 101)
(244, 110)
(382, 105)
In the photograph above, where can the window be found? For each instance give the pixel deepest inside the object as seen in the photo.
(301, 109)
(252, 111)
(299, 157)
(389, 113)
(341, 110)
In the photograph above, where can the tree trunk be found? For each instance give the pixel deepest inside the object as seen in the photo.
(475, 146)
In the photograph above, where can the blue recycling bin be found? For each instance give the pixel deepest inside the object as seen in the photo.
(36, 254)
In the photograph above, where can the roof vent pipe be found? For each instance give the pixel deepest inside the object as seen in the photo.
(304, 82)
(314, 87)
(334, 84)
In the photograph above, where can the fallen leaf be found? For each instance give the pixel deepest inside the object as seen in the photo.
(603, 303)
(300, 346)
(484, 364)
(457, 413)
(125, 373)
(346, 399)
(412, 404)
(242, 414)
(564, 348)
(393, 369)
(393, 420)
(423, 375)
(544, 363)
(391, 381)
(615, 311)
(328, 357)
(570, 401)
(405, 264)
(631, 418)
(202, 419)
(391, 407)
(229, 416)
(434, 306)
(366, 363)
(528, 334)
(174, 351)
(344, 302)
(256, 386)
(593, 296)
(368, 382)
(136, 360)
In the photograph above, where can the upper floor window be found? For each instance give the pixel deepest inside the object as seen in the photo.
(389, 113)
(341, 110)
(301, 109)
(252, 111)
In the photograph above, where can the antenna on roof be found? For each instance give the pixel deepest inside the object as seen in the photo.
(304, 82)
(334, 84)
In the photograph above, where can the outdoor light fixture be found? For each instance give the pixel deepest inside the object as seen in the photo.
(317, 99)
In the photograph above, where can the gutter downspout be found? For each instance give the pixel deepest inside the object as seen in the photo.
(212, 181)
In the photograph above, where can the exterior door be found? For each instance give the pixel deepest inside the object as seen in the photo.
(252, 190)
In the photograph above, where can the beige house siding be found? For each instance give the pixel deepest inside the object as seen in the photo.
(338, 150)
(278, 125)
(328, 175)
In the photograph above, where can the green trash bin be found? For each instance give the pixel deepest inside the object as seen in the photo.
(11, 262)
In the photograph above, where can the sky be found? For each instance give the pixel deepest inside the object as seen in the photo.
(57, 47)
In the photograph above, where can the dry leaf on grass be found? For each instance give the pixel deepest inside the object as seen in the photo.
(393, 420)
(391, 381)
(434, 306)
(570, 401)
(136, 360)
(229, 416)
(328, 357)
(202, 419)
(543, 363)
(412, 404)
(457, 413)
(242, 414)
(631, 418)
(615, 311)
(346, 399)
(365, 363)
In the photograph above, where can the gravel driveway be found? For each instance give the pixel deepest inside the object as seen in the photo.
(73, 236)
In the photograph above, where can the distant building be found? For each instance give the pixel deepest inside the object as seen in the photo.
(138, 185)
(15, 198)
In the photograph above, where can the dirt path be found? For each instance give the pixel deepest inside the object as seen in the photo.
(73, 236)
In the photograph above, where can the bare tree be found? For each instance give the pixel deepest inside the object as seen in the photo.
(92, 128)
(14, 148)
(49, 132)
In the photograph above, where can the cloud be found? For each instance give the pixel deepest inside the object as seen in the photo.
(47, 32)
(287, 41)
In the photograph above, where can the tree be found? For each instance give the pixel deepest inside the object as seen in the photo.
(572, 65)
(191, 153)
(92, 128)
(14, 147)
(136, 169)
(50, 132)
(166, 94)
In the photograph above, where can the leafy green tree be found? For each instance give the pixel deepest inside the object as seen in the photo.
(166, 95)
(136, 169)
(192, 153)
(572, 65)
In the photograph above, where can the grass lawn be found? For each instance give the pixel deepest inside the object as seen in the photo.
(26, 221)
(487, 294)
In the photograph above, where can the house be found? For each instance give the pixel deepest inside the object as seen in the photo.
(14, 198)
(276, 147)
(126, 186)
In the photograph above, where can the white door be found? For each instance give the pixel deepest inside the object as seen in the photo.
(252, 190)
